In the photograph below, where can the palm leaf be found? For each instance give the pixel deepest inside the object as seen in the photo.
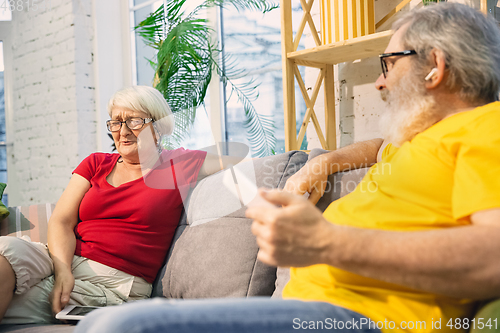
(184, 63)
(263, 6)
(260, 128)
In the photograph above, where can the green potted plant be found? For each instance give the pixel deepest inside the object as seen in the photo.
(186, 60)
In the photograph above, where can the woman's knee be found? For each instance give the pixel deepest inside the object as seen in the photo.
(12, 245)
(7, 275)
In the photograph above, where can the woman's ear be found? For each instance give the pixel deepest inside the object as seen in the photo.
(157, 135)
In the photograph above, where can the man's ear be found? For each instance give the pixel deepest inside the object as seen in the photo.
(437, 73)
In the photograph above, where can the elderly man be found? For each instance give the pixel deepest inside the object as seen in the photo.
(412, 252)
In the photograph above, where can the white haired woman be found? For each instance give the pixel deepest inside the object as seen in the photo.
(112, 226)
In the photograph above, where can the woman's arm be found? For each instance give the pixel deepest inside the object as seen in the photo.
(215, 163)
(62, 241)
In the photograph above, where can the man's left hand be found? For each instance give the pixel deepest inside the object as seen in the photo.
(294, 235)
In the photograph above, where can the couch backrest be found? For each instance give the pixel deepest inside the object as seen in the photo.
(214, 253)
(28, 221)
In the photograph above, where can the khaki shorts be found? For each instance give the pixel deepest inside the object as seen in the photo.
(95, 284)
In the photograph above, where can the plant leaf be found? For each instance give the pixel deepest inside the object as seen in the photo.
(184, 63)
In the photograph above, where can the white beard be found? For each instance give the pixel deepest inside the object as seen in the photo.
(410, 110)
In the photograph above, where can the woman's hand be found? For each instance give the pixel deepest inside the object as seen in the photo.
(312, 178)
(62, 241)
(63, 286)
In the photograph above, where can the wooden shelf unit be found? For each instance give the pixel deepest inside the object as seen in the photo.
(322, 57)
(347, 50)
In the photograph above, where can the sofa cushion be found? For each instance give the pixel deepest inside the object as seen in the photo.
(214, 253)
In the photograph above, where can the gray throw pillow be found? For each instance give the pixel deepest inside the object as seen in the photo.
(214, 253)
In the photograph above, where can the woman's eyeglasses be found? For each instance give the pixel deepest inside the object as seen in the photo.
(132, 123)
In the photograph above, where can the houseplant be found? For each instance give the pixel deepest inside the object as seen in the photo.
(185, 61)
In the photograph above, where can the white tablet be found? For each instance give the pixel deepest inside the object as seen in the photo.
(75, 312)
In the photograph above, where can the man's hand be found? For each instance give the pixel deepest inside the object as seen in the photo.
(295, 235)
(63, 286)
(312, 178)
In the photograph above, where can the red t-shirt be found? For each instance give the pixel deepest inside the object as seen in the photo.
(130, 227)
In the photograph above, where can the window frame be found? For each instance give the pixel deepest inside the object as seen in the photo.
(5, 36)
(216, 93)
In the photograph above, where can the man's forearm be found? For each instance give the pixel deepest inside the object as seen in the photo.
(458, 262)
(355, 156)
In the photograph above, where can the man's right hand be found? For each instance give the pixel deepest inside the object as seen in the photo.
(63, 286)
(312, 178)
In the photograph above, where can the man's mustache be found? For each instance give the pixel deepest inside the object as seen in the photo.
(384, 95)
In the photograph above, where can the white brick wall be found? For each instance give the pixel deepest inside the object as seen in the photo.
(53, 97)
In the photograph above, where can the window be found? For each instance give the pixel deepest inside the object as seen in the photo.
(3, 146)
(254, 42)
(142, 71)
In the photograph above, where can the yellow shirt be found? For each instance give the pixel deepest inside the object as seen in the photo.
(437, 180)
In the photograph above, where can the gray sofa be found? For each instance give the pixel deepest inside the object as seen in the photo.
(213, 256)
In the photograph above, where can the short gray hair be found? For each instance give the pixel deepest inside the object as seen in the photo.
(469, 40)
(148, 100)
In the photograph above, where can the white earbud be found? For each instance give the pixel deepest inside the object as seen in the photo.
(431, 74)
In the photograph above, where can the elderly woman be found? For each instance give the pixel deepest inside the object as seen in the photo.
(112, 226)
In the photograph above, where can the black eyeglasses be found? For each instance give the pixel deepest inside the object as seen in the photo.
(132, 123)
(385, 67)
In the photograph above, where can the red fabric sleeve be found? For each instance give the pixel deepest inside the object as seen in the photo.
(177, 168)
(187, 166)
(87, 168)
